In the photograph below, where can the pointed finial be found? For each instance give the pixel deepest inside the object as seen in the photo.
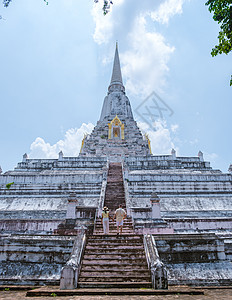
(116, 79)
(25, 157)
(173, 153)
(230, 168)
(61, 155)
(200, 155)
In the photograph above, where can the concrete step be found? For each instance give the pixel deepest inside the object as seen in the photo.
(114, 228)
(118, 194)
(114, 203)
(117, 269)
(114, 232)
(115, 265)
(114, 235)
(112, 225)
(118, 285)
(109, 264)
(114, 273)
(115, 278)
(120, 252)
(122, 237)
(111, 222)
(125, 221)
(115, 248)
(108, 250)
(115, 243)
(114, 256)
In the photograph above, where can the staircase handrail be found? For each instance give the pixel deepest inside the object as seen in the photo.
(95, 219)
(126, 188)
(102, 194)
(156, 266)
(102, 197)
(103, 189)
(70, 272)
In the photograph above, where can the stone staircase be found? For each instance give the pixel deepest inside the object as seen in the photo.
(114, 261)
(115, 194)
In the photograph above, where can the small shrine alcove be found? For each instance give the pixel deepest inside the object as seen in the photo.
(116, 129)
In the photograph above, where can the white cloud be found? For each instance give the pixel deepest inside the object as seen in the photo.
(70, 145)
(103, 24)
(174, 127)
(166, 10)
(145, 64)
(161, 139)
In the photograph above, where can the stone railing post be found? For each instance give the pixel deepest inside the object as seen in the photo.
(155, 204)
(157, 268)
(200, 155)
(25, 157)
(71, 208)
(173, 153)
(230, 168)
(70, 272)
(61, 155)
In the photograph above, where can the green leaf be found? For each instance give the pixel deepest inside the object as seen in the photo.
(8, 185)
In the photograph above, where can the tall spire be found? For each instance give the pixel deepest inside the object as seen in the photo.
(116, 79)
(116, 101)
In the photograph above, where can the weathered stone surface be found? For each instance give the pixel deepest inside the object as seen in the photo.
(164, 195)
(33, 260)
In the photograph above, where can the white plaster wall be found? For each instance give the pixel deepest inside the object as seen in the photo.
(42, 203)
(177, 175)
(196, 203)
(199, 271)
(52, 177)
(186, 203)
(200, 224)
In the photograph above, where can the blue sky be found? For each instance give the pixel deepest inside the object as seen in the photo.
(56, 63)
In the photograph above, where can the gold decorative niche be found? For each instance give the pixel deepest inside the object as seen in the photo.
(116, 129)
(83, 141)
(149, 142)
